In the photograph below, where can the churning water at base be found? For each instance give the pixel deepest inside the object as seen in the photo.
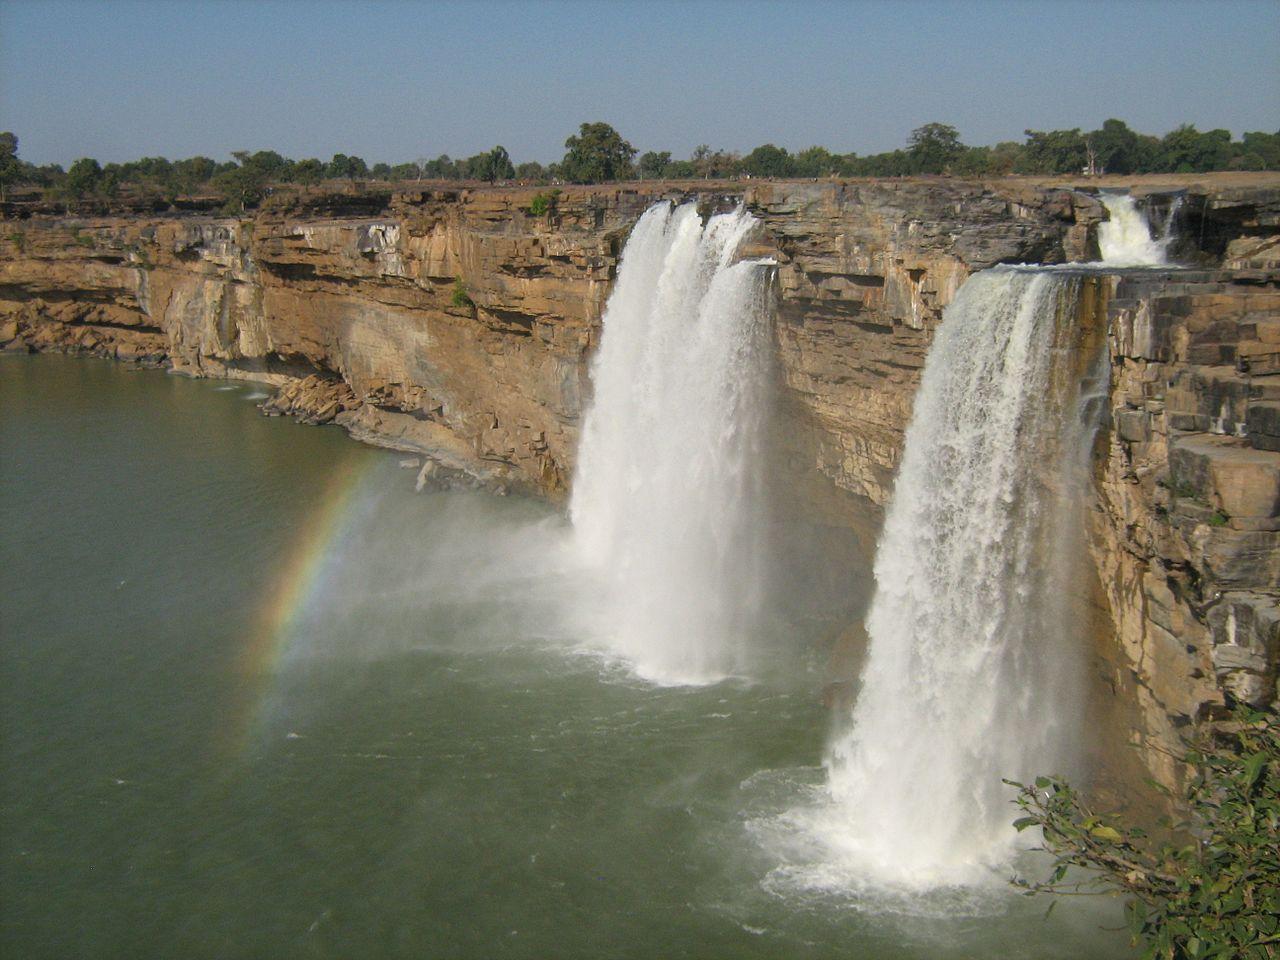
(666, 500)
(1127, 240)
(971, 669)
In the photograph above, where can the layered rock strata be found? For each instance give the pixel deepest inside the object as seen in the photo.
(462, 322)
(1187, 533)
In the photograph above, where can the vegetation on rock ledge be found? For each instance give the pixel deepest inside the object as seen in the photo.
(1216, 894)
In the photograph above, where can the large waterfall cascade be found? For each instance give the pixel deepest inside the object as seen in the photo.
(969, 673)
(667, 501)
(972, 672)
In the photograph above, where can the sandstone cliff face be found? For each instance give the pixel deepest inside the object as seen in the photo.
(1186, 537)
(458, 324)
(461, 322)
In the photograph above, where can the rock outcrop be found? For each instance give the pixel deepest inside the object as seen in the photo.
(458, 324)
(1186, 537)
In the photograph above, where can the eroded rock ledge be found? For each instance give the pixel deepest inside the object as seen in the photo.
(458, 324)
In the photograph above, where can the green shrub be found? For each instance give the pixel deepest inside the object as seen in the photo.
(1216, 893)
(543, 203)
(1218, 519)
(460, 296)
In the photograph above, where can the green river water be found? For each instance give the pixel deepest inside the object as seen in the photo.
(261, 699)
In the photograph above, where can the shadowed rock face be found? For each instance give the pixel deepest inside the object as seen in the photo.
(457, 324)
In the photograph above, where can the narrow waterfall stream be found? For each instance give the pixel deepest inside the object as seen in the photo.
(1126, 239)
(666, 501)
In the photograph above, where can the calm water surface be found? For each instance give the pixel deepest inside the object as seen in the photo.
(260, 699)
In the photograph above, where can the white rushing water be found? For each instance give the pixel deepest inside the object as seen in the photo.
(666, 499)
(1127, 240)
(970, 676)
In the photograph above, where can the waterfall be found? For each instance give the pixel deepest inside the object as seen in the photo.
(666, 501)
(970, 673)
(1126, 239)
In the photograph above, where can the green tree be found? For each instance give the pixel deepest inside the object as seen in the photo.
(815, 162)
(339, 167)
(268, 164)
(934, 147)
(1118, 149)
(531, 170)
(191, 174)
(244, 184)
(708, 163)
(597, 154)
(49, 175)
(84, 178)
(973, 162)
(896, 163)
(1214, 894)
(768, 160)
(1057, 151)
(441, 168)
(10, 165)
(1187, 150)
(653, 165)
(1265, 146)
(493, 165)
(308, 172)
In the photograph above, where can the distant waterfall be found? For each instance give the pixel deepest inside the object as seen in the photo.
(666, 499)
(970, 674)
(1126, 239)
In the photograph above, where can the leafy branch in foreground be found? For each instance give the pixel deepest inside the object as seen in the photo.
(1215, 895)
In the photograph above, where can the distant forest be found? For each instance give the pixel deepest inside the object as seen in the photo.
(598, 154)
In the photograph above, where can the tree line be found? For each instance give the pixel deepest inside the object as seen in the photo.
(597, 153)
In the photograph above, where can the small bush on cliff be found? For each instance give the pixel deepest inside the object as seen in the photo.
(1215, 895)
(543, 203)
(461, 299)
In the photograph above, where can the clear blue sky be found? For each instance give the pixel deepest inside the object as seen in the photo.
(396, 81)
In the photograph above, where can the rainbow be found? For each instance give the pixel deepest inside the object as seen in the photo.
(288, 593)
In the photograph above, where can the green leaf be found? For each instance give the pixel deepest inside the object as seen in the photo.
(1023, 822)
(1110, 834)
(1253, 767)
(1137, 915)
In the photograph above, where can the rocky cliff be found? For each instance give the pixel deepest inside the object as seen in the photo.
(459, 324)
